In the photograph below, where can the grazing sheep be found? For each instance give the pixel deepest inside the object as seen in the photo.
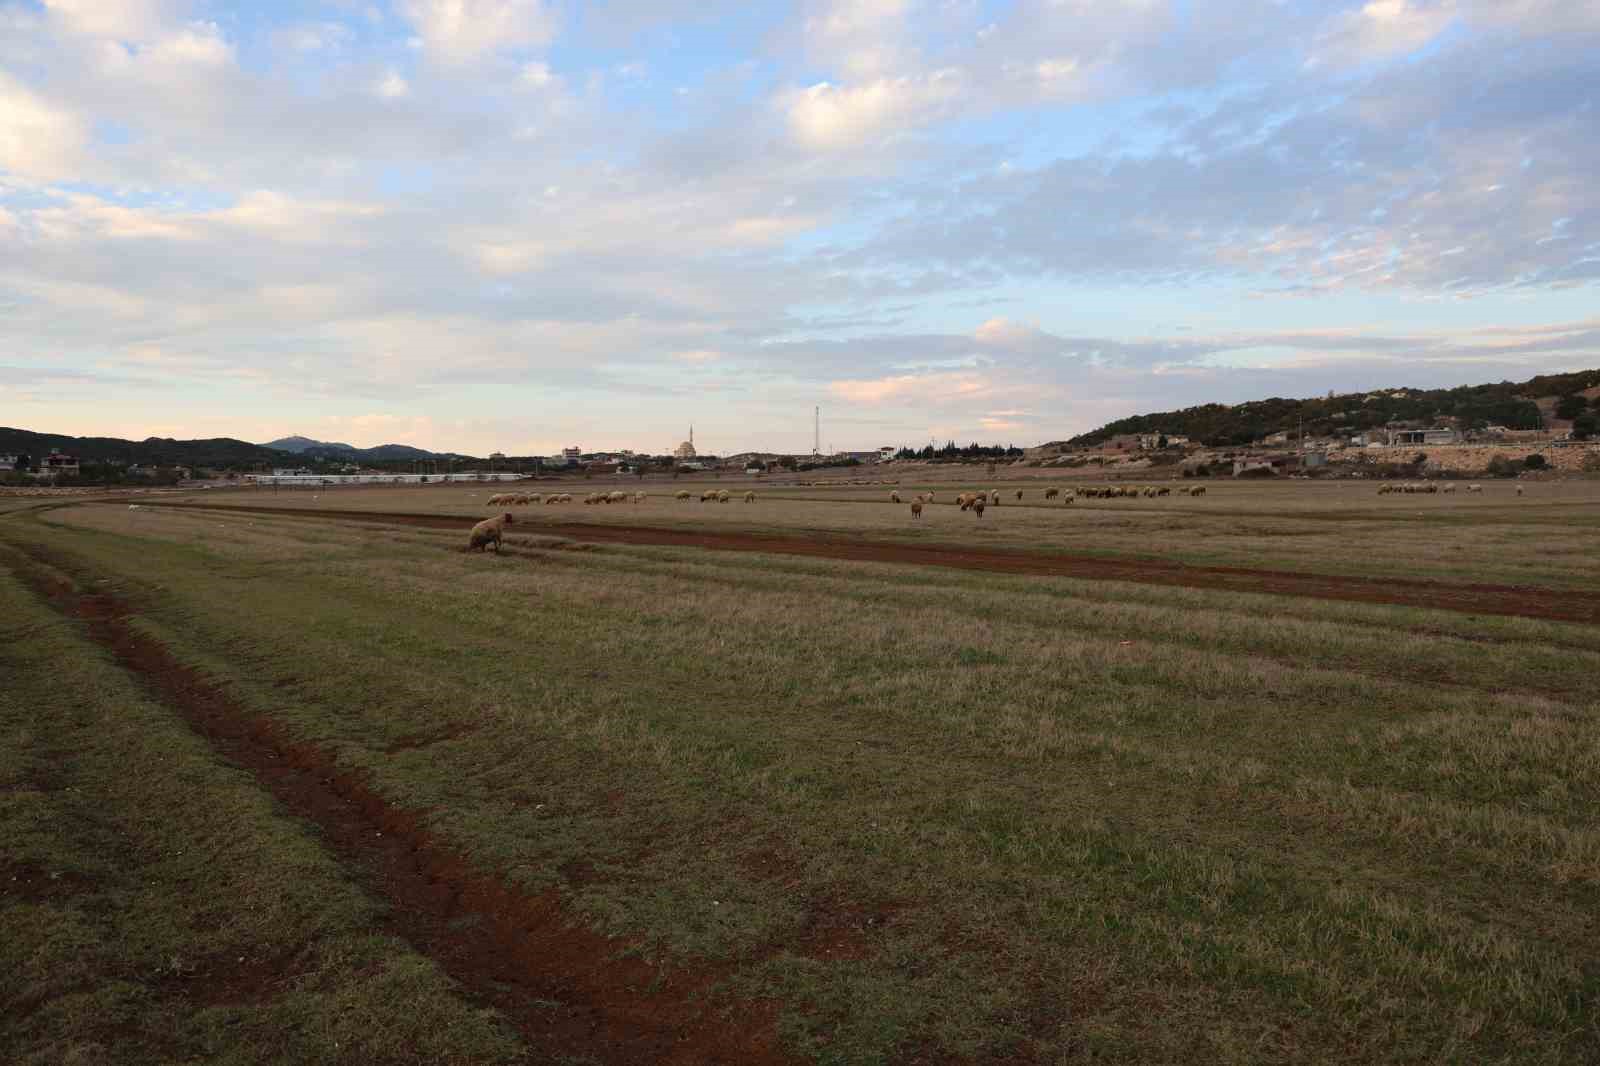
(1519, 490)
(930, 497)
(994, 497)
(966, 500)
(750, 497)
(681, 494)
(1165, 490)
(618, 497)
(1199, 490)
(1474, 488)
(488, 532)
(536, 498)
(1067, 499)
(916, 508)
(1019, 494)
(638, 497)
(894, 497)
(553, 498)
(1448, 488)
(977, 505)
(134, 507)
(724, 496)
(1051, 494)
(708, 495)
(566, 497)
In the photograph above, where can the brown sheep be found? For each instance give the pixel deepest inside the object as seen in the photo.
(977, 505)
(916, 508)
(488, 531)
(1019, 494)
(1051, 494)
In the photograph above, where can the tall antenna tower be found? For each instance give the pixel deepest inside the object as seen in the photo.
(816, 430)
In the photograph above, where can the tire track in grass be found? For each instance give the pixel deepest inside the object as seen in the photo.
(568, 990)
(1560, 605)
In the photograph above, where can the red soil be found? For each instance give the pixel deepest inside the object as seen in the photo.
(1524, 601)
(567, 989)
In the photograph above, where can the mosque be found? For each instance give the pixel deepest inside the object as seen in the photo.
(686, 449)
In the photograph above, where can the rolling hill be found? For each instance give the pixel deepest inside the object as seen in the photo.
(1516, 405)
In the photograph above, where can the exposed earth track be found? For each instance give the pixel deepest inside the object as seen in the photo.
(572, 993)
(1560, 605)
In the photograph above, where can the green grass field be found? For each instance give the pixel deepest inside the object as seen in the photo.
(927, 815)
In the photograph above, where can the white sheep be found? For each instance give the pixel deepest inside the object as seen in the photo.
(1474, 488)
(750, 497)
(488, 532)
(894, 497)
(681, 494)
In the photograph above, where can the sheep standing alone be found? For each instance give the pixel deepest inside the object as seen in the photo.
(977, 505)
(1199, 490)
(1519, 490)
(916, 508)
(894, 497)
(1051, 494)
(1019, 494)
(488, 532)
(1474, 488)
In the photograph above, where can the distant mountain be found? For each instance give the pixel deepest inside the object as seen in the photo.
(152, 451)
(1515, 405)
(304, 444)
(322, 449)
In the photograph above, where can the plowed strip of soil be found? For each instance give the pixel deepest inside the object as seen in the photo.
(1560, 605)
(563, 986)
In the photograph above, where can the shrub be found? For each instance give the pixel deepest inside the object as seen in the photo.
(1500, 466)
(1534, 462)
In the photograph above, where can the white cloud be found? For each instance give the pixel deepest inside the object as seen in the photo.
(538, 75)
(392, 86)
(458, 31)
(1381, 28)
(128, 20)
(829, 117)
(39, 139)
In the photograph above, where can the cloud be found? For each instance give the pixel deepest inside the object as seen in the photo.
(459, 31)
(911, 388)
(127, 20)
(832, 118)
(1382, 28)
(38, 139)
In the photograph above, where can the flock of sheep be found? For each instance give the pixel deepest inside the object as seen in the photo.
(712, 496)
(1429, 488)
(976, 502)
(491, 530)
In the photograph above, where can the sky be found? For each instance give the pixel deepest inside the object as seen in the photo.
(518, 225)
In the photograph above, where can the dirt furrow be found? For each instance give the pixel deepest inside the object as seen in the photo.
(568, 990)
(1560, 605)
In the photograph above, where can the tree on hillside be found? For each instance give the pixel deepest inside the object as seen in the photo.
(1570, 406)
(1585, 426)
